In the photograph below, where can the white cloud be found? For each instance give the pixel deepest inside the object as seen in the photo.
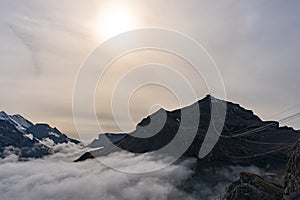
(58, 178)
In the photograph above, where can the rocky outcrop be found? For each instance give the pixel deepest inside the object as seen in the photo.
(292, 178)
(251, 186)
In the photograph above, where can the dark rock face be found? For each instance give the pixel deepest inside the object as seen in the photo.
(251, 186)
(245, 139)
(10, 137)
(106, 139)
(43, 131)
(292, 178)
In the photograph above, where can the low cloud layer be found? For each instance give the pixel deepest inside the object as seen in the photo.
(57, 177)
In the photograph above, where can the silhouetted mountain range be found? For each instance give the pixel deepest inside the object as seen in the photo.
(245, 140)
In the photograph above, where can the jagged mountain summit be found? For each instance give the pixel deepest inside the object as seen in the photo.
(20, 136)
(245, 139)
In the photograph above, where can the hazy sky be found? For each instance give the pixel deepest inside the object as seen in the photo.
(255, 44)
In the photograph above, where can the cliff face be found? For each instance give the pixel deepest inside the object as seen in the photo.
(251, 186)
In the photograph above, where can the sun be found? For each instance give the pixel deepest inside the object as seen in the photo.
(115, 20)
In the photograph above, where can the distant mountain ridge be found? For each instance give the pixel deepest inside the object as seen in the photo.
(26, 139)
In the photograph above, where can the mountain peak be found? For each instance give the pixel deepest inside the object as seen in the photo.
(3, 115)
(243, 138)
(17, 121)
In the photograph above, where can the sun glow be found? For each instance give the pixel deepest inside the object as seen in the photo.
(115, 20)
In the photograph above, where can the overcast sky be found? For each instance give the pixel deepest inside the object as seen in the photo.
(255, 44)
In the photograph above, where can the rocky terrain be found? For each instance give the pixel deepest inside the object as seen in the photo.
(251, 186)
(292, 178)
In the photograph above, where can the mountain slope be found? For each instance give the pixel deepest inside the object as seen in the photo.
(20, 136)
(44, 131)
(106, 139)
(11, 139)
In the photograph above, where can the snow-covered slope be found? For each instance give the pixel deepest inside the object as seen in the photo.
(21, 121)
(44, 132)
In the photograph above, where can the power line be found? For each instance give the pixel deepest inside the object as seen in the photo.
(261, 154)
(284, 111)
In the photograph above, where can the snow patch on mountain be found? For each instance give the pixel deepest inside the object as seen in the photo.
(30, 136)
(54, 134)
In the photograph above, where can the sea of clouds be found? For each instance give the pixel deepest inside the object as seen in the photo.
(57, 177)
